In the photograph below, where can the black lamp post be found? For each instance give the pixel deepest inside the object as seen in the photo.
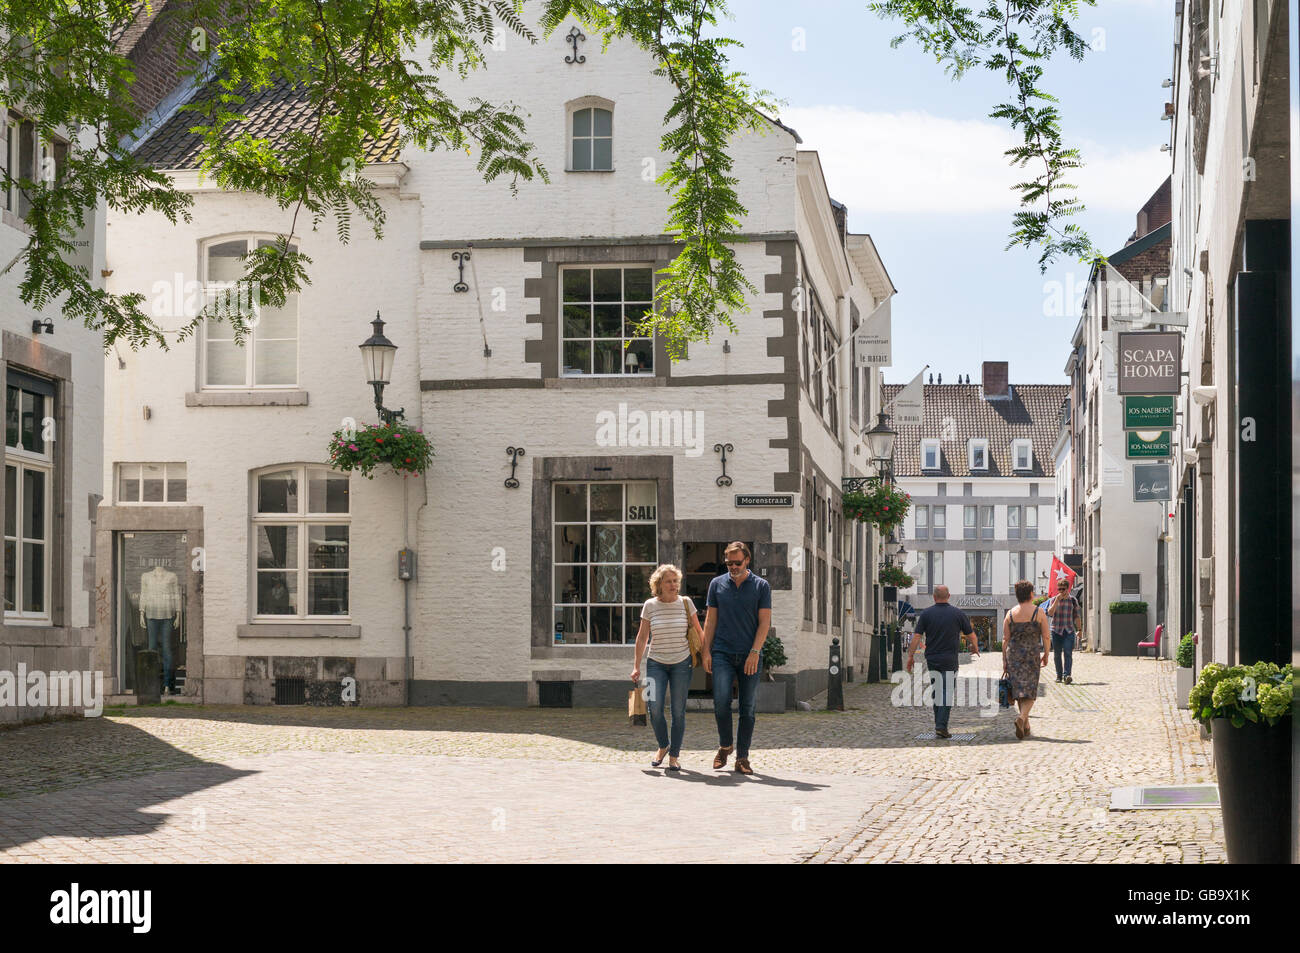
(880, 440)
(378, 353)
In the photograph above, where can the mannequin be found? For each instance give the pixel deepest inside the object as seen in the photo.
(160, 608)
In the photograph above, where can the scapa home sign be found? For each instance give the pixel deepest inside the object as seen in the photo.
(1150, 362)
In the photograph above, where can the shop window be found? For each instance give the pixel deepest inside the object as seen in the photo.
(606, 547)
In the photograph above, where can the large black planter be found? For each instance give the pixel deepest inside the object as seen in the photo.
(1253, 763)
(1127, 629)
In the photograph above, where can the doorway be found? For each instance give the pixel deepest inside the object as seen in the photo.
(985, 626)
(152, 579)
(701, 564)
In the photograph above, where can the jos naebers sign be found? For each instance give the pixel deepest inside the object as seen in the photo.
(1150, 362)
(1149, 413)
(1157, 444)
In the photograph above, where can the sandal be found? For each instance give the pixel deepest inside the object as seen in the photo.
(1020, 728)
(673, 767)
(720, 759)
(742, 766)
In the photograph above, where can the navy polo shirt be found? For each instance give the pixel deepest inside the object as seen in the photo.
(737, 611)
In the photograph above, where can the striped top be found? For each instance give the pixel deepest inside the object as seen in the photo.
(668, 643)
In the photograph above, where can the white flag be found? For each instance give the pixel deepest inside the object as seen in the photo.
(873, 338)
(909, 403)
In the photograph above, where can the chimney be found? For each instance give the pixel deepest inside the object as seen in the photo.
(993, 380)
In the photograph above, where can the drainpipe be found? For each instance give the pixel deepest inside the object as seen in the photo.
(844, 369)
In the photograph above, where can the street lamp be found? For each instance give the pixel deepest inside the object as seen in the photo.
(378, 353)
(892, 545)
(880, 440)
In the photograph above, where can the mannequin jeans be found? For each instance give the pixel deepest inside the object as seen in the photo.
(160, 631)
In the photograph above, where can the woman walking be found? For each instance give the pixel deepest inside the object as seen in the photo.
(666, 620)
(1025, 632)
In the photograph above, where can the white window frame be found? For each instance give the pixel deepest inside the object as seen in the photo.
(1022, 564)
(983, 580)
(302, 520)
(43, 462)
(628, 604)
(622, 268)
(927, 447)
(1022, 445)
(571, 138)
(120, 471)
(971, 447)
(939, 521)
(250, 341)
(921, 523)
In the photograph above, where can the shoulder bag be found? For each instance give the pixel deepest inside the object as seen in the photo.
(693, 637)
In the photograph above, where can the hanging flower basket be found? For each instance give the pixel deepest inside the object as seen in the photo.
(406, 449)
(882, 506)
(895, 576)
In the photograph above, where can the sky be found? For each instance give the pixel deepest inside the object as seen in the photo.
(920, 166)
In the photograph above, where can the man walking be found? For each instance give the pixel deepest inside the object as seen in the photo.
(739, 615)
(1066, 616)
(942, 626)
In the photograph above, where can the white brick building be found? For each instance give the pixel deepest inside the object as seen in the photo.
(517, 585)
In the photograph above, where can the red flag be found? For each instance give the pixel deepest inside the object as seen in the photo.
(1059, 571)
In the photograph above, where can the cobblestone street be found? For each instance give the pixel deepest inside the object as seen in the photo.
(175, 783)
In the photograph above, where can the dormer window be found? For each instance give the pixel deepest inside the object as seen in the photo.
(1022, 455)
(977, 454)
(929, 454)
(591, 136)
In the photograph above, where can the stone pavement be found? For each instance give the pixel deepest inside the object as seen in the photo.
(179, 783)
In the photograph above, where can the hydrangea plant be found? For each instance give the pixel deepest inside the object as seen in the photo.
(1242, 693)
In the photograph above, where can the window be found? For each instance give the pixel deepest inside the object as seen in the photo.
(268, 355)
(29, 480)
(922, 526)
(301, 530)
(1022, 455)
(938, 522)
(24, 155)
(929, 454)
(979, 573)
(968, 524)
(808, 583)
(977, 453)
(1130, 584)
(151, 483)
(1022, 566)
(832, 379)
(821, 590)
(593, 140)
(1031, 522)
(606, 547)
(986, 522)
(1013, 522)
(601, 308)
(929, 571)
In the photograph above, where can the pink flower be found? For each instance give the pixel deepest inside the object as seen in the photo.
(352, 446)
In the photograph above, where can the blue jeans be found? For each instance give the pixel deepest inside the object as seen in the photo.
(1063, 642)
(160, 631)
(944, 681)
(729, 669)
(662, 678)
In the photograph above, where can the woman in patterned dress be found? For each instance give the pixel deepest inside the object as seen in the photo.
(1025, 632)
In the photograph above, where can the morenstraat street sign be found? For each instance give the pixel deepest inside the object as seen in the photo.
(1150, 362)
(1149, 413)
(1151, 482)
(1149, 443)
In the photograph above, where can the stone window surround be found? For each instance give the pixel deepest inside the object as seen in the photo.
(35, 357)
(770, 559)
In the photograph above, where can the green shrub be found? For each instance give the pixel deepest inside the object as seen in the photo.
(1128, 608)
(773, 654)
(1242, 693)
(1186, 654)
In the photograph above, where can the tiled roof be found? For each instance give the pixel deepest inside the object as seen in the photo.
(272, 112)
(957, 413)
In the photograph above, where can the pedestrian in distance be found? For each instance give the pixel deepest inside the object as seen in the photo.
(735, 628)
(941, 628)
(1025, 631)
(1066, 617)
(667, 619)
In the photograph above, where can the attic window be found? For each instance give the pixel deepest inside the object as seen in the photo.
(1022, 455)
(977, 454)
(929, 454)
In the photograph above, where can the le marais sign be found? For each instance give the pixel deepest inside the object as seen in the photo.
(1150, 362)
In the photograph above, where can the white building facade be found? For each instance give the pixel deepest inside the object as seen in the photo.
(981, 472)
(571, 456)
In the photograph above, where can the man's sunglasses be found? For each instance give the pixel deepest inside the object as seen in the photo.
(735, 562)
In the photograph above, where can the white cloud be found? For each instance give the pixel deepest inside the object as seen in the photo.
(917, 162)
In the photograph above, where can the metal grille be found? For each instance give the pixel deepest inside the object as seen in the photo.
(291, 691)
(956, 736)
(555, 694)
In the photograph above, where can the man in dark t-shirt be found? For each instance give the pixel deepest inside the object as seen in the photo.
(942, 626)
